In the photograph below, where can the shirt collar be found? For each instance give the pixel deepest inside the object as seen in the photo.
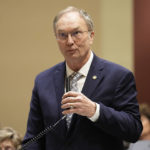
(84, 70)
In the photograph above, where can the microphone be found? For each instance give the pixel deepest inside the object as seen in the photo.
(67, 84)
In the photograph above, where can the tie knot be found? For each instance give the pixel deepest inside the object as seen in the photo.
(73, 79)
(75, 76)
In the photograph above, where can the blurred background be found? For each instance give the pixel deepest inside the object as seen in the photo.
(28, 46)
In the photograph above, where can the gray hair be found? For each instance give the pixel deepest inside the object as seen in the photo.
(8, 133)
(81, 12)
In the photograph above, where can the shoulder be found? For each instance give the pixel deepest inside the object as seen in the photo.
(48, 73)
(112, 70)
(109, 66)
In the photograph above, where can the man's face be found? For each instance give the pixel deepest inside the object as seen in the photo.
(73, 37)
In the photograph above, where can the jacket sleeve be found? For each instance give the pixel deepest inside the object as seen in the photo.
(122, 119)
(35, 124)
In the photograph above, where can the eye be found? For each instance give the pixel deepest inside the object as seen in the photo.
(76, 33)
(62, 35)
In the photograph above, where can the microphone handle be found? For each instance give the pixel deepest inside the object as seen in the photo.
(67, 84)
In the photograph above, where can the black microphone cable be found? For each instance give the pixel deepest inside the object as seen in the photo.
(42, 133)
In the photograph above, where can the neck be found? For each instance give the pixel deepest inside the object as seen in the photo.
(77, 64)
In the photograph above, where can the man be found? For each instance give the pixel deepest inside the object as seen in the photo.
(102, 111)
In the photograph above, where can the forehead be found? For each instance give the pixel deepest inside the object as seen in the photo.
(70, 21)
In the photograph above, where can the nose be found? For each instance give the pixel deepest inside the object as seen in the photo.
(70, 40)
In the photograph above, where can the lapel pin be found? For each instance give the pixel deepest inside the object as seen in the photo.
(94, 77)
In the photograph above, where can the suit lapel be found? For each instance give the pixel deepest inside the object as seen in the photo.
(59, 82)
(94, 77)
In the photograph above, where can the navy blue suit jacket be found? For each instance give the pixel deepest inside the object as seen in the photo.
(115, 91)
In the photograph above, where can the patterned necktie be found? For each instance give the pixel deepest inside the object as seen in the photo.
(73, 87)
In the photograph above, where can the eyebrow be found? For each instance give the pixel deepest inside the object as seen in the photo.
(61, 30)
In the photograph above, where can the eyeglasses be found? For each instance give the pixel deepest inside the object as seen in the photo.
(76, 35)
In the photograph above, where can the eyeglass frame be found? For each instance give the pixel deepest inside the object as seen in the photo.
(75, 35)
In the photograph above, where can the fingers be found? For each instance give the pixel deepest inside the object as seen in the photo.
(71, 105)
(71, 98)
(71, 101)
(71, 110)
(70, 94)
(74, 102)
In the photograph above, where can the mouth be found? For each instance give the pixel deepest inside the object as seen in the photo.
(72, 50)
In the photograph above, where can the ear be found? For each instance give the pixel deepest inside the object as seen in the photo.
(91, 37)
(92, 34)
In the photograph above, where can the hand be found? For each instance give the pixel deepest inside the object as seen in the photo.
(78, 103)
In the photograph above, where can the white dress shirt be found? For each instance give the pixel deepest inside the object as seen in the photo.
(84, 71)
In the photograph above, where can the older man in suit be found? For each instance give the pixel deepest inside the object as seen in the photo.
(102, 111)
